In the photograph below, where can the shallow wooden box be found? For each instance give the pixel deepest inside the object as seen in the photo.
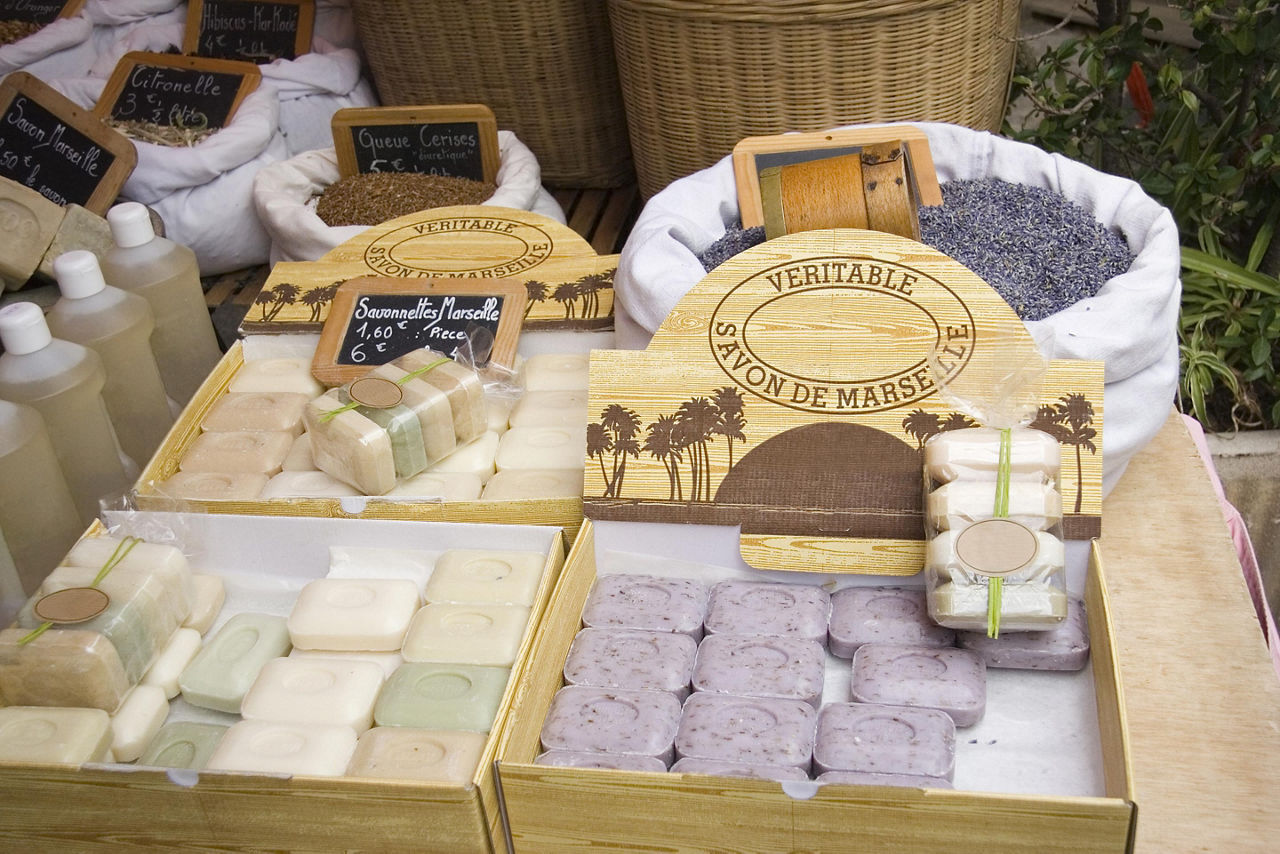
(555, 809)
(107, 807)
(561, 512)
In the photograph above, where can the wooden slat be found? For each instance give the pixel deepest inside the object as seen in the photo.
(587, 211)
(619, 213)
(223, 288)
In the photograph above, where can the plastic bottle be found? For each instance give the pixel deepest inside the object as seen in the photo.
(63, 382)
(117, 326)
(38, 516)
(166, 274)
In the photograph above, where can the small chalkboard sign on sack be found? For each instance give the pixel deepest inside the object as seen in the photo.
(180, 91)
(64, 153)
(38, 11)
(259, 31)
(455, 140)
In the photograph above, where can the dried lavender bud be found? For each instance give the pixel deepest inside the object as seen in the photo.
(736, 239)
(379, 196)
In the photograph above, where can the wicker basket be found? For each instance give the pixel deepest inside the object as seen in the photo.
(545, 68)
(700, 75)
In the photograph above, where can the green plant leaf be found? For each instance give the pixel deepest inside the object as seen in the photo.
(1201, 262)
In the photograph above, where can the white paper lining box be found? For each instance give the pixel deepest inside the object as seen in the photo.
(265, 562)
(1089, 801)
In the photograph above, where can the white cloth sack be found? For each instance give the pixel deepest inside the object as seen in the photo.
(1131, 324)
(284, 194)
(69, 47)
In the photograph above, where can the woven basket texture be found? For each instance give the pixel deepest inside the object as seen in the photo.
(545, 68)
(700, 75)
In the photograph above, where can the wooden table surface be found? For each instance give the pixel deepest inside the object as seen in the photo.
(1202, 699)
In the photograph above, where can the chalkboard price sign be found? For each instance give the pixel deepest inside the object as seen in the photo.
(183, 91)
(38, 11)
(65, 154)
(258, 31)
(458, 140)
(374, 320)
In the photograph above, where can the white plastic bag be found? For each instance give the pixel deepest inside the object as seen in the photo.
(1131, 324)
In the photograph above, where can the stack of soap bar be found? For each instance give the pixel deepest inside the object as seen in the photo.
(761, 666)
(551, 409)
(1063, 647)
(303, 484)
(350, 447)
(451, 633)
(440, 486)
(237, 453)
(46, 735)
(718, 768)
(885, 740)
(518, 484)
(405, 753)
(353, 614)
(474, 458)
(442, 696)
(758, 608)
(275, 375)
(587, 759)
(556, 372)
(273, 747)
(960, 502)
(165, 561)
(226, 667)
(486, 576)
(461, 385)
(212, 486)
(264, 411)
(65, 667)
(647, 602)
(607, 720)
(315, 691)
(430, 405)
(974, 454)
(897, 615)
(950, 680)
(542, 448)
(747, 730)
(633, 659)
(182, 744)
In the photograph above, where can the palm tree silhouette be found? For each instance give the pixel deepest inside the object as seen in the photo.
(957, 421)
(1069, 421)
(696, 421)
(922, 425)
(622, 424)
(537, 293)
(566, 294)
(731, 422)
(317, 298)
(660, 443)
(588, 287)
(285, 294)
(265, 298)
(599, 443)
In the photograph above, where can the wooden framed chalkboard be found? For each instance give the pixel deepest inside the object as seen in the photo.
(169, 89)
(756, 153)
(64, 153)
(374, 319)
(38, 11)
(458, 140)
(257, 31)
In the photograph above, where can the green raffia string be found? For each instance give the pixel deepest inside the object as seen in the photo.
(112, 562)
(334, 413)
(995, 586)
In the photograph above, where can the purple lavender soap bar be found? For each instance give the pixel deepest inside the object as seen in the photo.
(1064, 647)
(860, 778)
(952, 680)
(883, 740)
(607, 720)
(586, 759)
(762, 608)
(647, 602)
(791, 668)
(717, 768)
(748, 730)
(630, 658)
(882, 615)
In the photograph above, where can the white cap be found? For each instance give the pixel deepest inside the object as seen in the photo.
(23, 328)
(130, 225)
(78, 274)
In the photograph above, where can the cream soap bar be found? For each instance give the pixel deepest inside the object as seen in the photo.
(951, 680)
(442, 696)
(237, 453)
(761, 666)
(272, 747)
(404, 753)
(542, 448)
(1063, 647)
(1024, 606)
(182, 744)
(961, 502)
(212, 486)
(315, 691)
(440, 486)
(62, 667)
(759, 608)
(646, 602)
(137, 721)
(47, 735)
(557, 372)
(211, 593)
(748, 730)
(484, 576)
(94, 552)
(430, 405)
(882, 615)
(299, 457)
(607, 720)
(174, 658)
(371, 562)
(461, 385)
(350, 447)
(283, 374)
(632, 659)
(520, 484)
(466, 634)
(306, 484)
(781, 773)
(499, 409)
(476, 458)
(973, 453)
(353, 614)
(224, 670)
(267, 411)
(880, 739)
(388, 661)
(551, 409)
(588, 759)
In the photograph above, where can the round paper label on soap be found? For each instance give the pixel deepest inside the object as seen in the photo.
(376, 392)
(997, 547)
(72, 605)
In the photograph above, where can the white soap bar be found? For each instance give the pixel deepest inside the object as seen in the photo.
(350, 447)
(299, 457)
(974, 453)
(212, 486)
(551, 409)
(283, 374)
(53, 735)
(210, 594)
(388, 661)
(269, 411)
(137, 721)
(466, 634)
(1029, 606)
(556, 371)
(306, 484)
(173, 659)
(353, 613)
(272, 747)
(155, 557)
(484, 576)
(518, 484)
(236, 453)
(315, 691)
(440, 486)
(407, 753)
(430, 405)
(955, 504)
(499, 409)
(372, 562)
(542, 448)
(473, 458)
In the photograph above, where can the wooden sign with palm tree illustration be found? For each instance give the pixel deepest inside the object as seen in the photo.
(789, 393)
(569, 285)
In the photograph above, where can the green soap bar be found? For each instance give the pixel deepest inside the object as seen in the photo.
(442, 696)
(182, 744)
(224, 669)
(403, 429)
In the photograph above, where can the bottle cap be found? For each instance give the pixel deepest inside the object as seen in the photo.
(23, 328)
(130, 225)
(78, 274)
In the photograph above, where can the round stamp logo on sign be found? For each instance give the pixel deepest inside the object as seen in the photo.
(459, 246)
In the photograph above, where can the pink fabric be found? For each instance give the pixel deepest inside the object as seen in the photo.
(1244, 547)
